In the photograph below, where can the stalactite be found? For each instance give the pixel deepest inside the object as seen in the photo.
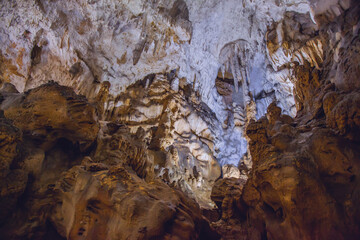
(235, 72)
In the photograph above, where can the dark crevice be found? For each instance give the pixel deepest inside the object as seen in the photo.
(35, 55)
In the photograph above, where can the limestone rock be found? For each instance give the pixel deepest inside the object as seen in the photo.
(115, 203)
(294, 181)
(117, 146)
(303, 180)
(12, 187)
(99, 48)
(10, 137)
(74, 196)
(226, 193)
(343, 113)
(51, 112)
(230, 171)
(246, 112)
(13, 181)
(178, 130)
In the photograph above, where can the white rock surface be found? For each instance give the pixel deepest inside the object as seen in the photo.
(81, 43)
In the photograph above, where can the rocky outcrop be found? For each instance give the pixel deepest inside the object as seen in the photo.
(52, 112)
(57, 183)
(304, 181)
(13, 182)
(171, 130)
(10, 138)
(226, 193)
(178, 130)
(99, 48)
(303, 184)
(113, 203)
(43, 133)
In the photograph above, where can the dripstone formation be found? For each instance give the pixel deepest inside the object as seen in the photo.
(180, 119)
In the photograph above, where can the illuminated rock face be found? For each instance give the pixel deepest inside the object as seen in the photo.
(304, 178)
(86, 44)
(114, 111)
(80, 178)
(180, 131)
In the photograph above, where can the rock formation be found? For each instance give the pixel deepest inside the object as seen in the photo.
(179, 119)
(304, 179)
(59, 170)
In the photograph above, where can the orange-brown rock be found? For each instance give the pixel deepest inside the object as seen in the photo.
(303, 184)
(10, 137)
(116, 145)
(53, 190)
(223, 88)
(226, 193)
(117, 204)
(343, 113)
(307, 86)
(47, 129)
(143, 168)
(52, 112)
(12, 181)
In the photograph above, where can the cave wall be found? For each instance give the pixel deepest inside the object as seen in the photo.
(92, 45)
(245, 112)
(304, 183)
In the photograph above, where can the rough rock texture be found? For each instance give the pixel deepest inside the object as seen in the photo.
(170, 131)
(44, 132)
(91, 45)
(51, 112)
(107, 197)
(10, 137)
(179, 130)
(101, 203)
(54, 188)
(304, 182)
(13, 182)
